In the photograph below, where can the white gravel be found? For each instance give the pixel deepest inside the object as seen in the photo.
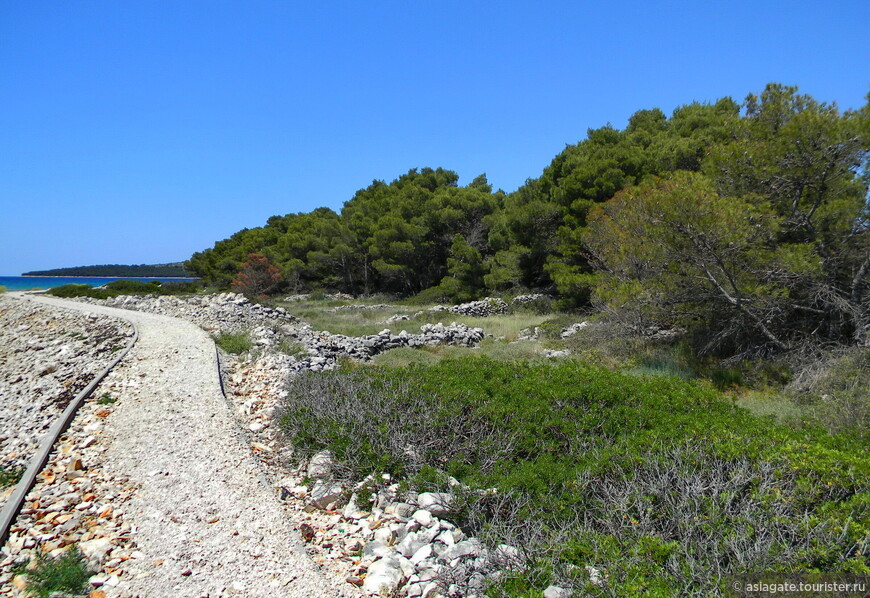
(206, 525)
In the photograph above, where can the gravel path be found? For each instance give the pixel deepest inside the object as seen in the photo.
(205, 523)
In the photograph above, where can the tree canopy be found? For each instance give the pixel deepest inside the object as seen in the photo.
(759, 207)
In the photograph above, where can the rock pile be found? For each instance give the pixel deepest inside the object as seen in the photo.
(46, 358)
(574, 329)
(479, 309)
(529, 334)
(408, 547)
(394, 543)
(399, 318)
(317, 350)
(330, 347)
(360, 307)
(490, 306)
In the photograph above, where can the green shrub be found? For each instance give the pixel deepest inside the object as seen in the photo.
(125, 287)
(67, 573)
(2, 289)
(657, 481)
(77, 290)
(180, 287)
(234, 343)
(429, 296)
(133, 287)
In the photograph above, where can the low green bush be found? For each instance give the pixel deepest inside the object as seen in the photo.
(234, 343)
(429, 296)
(133, 287)
(67, 574)
(180, 287)
(2, 289)
(125, 287)
(77, 290)
(661, 483)
(107, 399)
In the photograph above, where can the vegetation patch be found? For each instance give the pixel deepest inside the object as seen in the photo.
(663, 484)
(836, 391)
(291, 348)
(9, 476)
(362, 322)
(107, 399)
(126, 287)
(350, 322)
(234, 343)
(67, 573)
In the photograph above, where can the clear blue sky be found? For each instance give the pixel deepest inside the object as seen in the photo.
(140, 132)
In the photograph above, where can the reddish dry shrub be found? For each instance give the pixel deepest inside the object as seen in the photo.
(258, 277)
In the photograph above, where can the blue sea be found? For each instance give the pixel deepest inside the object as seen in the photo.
(23, 283)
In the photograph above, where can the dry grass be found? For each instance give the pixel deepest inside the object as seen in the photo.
(765, 403)
(361, 322)
(356, 322)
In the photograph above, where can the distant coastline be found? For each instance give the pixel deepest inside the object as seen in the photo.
(169, 270)
(112, 277)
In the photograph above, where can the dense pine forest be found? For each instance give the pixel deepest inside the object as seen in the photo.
(746, 224)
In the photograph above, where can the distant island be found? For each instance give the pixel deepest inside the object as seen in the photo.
(175, 270)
